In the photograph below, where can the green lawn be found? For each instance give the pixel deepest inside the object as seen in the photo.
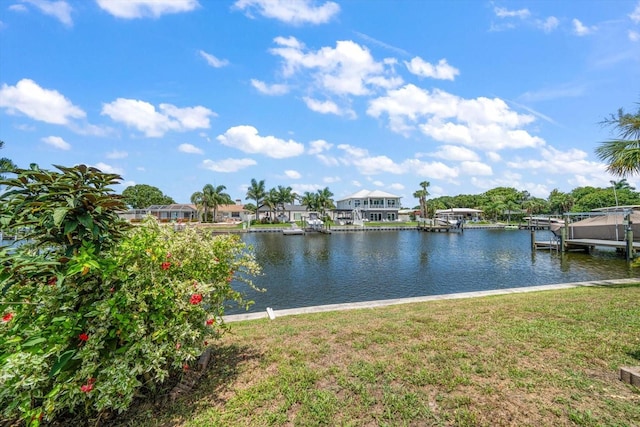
(536, 359)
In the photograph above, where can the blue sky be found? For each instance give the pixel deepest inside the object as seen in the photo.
(350, 95)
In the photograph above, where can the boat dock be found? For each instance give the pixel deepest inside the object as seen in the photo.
(585, 244)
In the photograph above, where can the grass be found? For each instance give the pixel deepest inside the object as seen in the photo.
(535, 359)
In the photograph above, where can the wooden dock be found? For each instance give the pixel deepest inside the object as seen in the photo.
(584, 244)
(439, 228)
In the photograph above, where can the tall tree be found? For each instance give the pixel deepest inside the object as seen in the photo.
(419, 194)
(622, 153)
(325, 201)
(210, 198)
(141, 196)
(310, 200)
(257, 192)
(218, 197)
(284, 195)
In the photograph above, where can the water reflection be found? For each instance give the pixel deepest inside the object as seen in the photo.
(317, 269)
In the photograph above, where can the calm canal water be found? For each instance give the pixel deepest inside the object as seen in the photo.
(318, 269)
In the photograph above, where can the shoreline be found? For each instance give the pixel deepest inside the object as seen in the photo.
(274, 314)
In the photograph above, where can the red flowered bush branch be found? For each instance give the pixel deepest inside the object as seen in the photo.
(95, 312)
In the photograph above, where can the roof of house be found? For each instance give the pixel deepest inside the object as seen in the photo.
(232, 208)
(173, 207)
(366, 194)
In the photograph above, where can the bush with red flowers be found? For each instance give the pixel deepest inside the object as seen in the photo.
(94, 311)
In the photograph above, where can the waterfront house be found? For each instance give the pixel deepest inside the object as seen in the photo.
(232, 213)
(163, 213)
(286, 213)
(368, 206)
(466, 214)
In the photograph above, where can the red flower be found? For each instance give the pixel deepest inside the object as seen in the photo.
(168, 255)
(86, 388)
(206, 343)
(210, 322)
(91, 381)
(52, 281)
(195, 299)
(83, 337)
(7, 317)
(185, 367)
(165, 265)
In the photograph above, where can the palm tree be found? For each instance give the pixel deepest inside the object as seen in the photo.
(310, 200)
(271, 201)
(216, 197)
(325, 201)
(622, 153)
(622, 185)
(256, 191)
(197, 199)
(210, 197)
(284, 195)
(421, 195)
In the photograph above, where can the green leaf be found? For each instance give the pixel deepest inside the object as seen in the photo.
(86, 220)
(70, 227)
(34, 341)
(58, 215)
(63, 359)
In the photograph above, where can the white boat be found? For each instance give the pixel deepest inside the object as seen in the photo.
(294, 230)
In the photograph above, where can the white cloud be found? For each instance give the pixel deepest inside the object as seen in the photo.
(347, 69)
(292, 174)
(212, 60)
(57, 142)
(327, 107)
(131, 9)
(155, 123)
(455, 153)
(108, 168)
(502, 12)
(549, 24)
(328, 161)
(115, 154)
(274, 89)
(475, 168)
(397, 187)
(634, 36)
(553, 161)
(635, 15)
(189, 149)
(481, 123)
(318, 146)
(292, 12)
(61, 10)
(435, 170)
(493, 156)
(246, 138)
(442, 70)
(580, 29)
(45, 105)
(228, 165)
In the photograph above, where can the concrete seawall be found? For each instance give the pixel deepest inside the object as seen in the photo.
(274, 314)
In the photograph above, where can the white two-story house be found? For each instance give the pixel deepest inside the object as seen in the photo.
(368, 205)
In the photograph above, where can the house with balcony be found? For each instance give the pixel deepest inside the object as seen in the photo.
(367, 205)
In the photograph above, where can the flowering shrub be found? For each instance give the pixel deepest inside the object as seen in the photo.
(87, 323)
